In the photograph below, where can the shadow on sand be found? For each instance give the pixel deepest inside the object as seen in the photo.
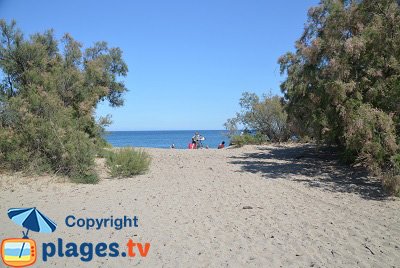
(320, 168)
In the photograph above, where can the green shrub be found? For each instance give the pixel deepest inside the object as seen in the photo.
(44, 137)
(127, 162)
(392, 184)
(103, 152)
(396, 163)
(265, 115)
(87, 178)
(247, 139)
(339, 87)
(391, 179)
(305, 139)
(47, 102)
(370, 137)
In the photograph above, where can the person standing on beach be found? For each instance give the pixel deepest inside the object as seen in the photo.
(196, 139)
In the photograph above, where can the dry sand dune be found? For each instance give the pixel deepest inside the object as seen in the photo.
(257, 206)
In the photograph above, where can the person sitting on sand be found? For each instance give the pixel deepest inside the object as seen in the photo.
(173, 146)
(222, 145)
(192, 145)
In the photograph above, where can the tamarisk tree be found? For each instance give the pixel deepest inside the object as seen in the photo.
(49, 90)
(343, 80)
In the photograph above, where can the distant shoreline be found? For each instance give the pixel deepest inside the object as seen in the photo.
(164, 138)
(193, 130)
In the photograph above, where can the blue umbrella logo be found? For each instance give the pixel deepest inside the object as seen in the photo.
(33, 220)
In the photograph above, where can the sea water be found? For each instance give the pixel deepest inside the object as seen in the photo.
(165, 138)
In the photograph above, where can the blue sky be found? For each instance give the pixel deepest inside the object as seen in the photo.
(189, 61)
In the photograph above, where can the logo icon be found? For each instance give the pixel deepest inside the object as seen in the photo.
(21, 252)
(18, 252)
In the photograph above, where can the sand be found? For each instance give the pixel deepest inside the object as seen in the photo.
(256, 206)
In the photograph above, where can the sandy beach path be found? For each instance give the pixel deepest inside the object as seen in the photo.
(256, 206)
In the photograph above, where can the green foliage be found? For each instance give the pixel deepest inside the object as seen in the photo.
(343, 81)
(247, 139)
(87, 178)
(127, 162)
(370, 136)
(103, 152)
(232, 126)
(391, 179)
(392, 184)
(266, 116)
(305, 139)
(396, 162)
(47, 102)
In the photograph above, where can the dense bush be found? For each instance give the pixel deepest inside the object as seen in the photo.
(266, 116)
(343, 81)
(392, 178)
(247, 139)
(370, 137)
(47, 102)
(126, 162)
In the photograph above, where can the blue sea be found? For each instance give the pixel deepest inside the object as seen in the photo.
(165, 138)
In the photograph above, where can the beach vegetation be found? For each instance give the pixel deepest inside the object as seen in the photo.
(342, 83)
(248, 139)
(231, 125)
(49, 90)
(265, 116)
(125, 162)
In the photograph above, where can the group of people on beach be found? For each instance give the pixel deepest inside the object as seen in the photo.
(197, 143)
